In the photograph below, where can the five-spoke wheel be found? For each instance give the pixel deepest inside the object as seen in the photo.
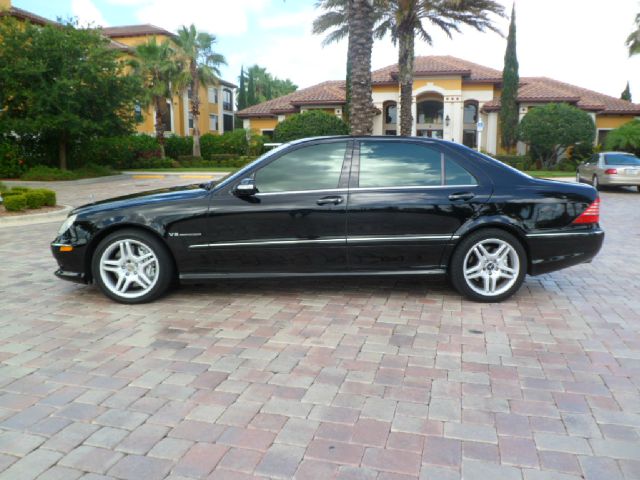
(488, 266)
(132, 266)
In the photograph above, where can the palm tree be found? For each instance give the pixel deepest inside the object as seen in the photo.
(633, 41)
(155, 64)
(405, 20)
(355, 19)
(200, 66)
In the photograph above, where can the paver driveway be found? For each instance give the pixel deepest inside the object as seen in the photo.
(358, 379)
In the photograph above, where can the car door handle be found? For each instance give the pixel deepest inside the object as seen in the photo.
(329, 200)
(461, 196)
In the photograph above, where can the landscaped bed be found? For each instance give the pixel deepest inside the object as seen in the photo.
(23, 200)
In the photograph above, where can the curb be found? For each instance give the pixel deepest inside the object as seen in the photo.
(35, 218)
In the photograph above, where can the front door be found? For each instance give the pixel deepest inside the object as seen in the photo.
(406, 203)
(295, 223)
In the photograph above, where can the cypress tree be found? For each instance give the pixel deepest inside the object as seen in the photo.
(242, 93)
(626, 94)
(510, 82)
(251, 90)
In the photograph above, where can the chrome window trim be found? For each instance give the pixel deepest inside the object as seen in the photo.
(295, 192)
(345, 241)
(564, 234)
(424, 187)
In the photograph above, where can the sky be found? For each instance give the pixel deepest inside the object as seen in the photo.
(575, 41)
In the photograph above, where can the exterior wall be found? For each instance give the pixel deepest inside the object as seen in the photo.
(140, 39)
(5, 4)
(265, 123)
(612, 121)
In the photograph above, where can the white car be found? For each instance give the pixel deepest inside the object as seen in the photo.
(615, 169)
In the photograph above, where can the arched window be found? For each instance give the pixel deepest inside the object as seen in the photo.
(391, 114)
(430, 112)
(470, 112)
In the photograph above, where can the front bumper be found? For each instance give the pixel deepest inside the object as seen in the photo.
(71, 264)
(550, 251)
(75, 277)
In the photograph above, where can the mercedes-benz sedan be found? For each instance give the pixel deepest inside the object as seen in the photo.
(338, 206)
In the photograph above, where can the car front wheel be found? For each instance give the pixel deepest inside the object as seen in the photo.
(132, 266)
(488, 266)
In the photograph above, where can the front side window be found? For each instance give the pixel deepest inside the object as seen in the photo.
(316, 167)
(394, 164)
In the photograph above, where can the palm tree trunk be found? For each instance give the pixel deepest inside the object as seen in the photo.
(361, 110)
(159, 125)
(405, 63)
(195, 109)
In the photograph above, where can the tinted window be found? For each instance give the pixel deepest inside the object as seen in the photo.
(316, 167)
(621, 159)
(456, 175)
(393, 164)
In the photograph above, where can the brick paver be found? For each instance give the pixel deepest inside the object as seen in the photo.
(347, 379)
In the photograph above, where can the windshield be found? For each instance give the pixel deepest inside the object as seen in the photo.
(621, 159)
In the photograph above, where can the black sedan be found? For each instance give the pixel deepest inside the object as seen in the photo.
(337, 206)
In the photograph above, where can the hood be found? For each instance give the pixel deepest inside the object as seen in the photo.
(144, 198)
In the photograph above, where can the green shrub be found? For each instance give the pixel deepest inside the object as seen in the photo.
(12, 163)
(176, 147)
(255, 146)
(625, 138)
(3, 187)
(12, 193)
(47, 174)
(50, 199)
(15, 203)
(233, 143)
(521, 162)
(20, 189)
(119, 152)
(230, 163)
(309, 124)
(35, 199)
(222, 156)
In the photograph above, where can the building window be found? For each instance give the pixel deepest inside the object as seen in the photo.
(190, 120)
(268, 134)
(430, 112)
(602, 135)
(227, 100)
(391, 114)
(213, 123)
(228, 122)
(470, 138)
(470, 112)
(391, 132)
(138, 113)
(213, 95)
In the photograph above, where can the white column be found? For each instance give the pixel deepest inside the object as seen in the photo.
(491, 133)
(220, 111)
(378, 120)
(453, 108)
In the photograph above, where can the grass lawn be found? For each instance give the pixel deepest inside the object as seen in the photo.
(549, 173)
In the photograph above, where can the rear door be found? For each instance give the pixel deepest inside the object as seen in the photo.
(406, 200)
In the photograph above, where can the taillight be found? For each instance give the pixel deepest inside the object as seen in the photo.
(611, 171)
(590, 215)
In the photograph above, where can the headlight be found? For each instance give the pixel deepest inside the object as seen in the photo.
(67, 224)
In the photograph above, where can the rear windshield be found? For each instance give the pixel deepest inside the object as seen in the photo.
(621, 159)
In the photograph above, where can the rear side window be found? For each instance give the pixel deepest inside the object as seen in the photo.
(394, 164)
(316, 167)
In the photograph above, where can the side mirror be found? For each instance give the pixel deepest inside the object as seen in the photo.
(246, 188)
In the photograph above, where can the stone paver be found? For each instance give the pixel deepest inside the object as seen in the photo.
(347, 379)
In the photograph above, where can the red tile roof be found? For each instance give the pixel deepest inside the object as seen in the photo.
(543, 90)
(532, 89)
(135, 31)
(24, 15)
(327, 93)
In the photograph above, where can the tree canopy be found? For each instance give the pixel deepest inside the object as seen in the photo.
(509, 115)
(61, 83)
(625, 138)
(257, 85)
(551, 129)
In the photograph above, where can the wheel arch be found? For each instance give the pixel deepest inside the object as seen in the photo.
(506, 226)
(103, 233)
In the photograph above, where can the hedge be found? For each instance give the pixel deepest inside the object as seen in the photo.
(15, 203)
(50, 199)
(12, 164)
(35, 199)
(309, 124)
(133, 151)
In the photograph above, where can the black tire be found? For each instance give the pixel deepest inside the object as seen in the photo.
(578, 179)
(145, 243)
(464, 251)
(595, 182)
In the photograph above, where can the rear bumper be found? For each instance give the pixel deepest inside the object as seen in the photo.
(619, 180)
(550, 251)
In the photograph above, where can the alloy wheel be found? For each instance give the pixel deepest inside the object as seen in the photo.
(129, 268)
(491, 267)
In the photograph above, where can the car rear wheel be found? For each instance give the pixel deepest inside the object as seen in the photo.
(595, 182)
(578, 179)
(488, 266)
(132, 266)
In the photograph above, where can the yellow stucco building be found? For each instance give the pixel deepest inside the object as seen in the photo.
(453, 99)
(217, 102)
